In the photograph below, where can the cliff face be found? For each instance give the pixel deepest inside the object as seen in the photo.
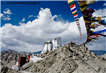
(70, 58)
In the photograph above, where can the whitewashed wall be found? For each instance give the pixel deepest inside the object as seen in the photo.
(56, 43)
(45, 48)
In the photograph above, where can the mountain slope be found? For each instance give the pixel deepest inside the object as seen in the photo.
(9, 58)
(104, 56)
(70, 58)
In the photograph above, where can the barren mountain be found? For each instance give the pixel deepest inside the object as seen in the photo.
(9, 58)
(104, 56)
(70, 58)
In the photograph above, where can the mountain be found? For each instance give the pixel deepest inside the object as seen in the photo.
(9, 58)
(9, 51)
(99, 52)
(70, 58)
(104, 56)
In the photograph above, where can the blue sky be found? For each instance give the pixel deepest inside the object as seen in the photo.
(21, 11)
(29, 26)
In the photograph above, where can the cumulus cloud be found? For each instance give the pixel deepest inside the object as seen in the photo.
(97, 0)
(1, 15)
(31, 36)
(31, 16)
(96, 46)
(20, 23)
(23, 20)
(6, 14)
(101, 43)
(100, 13)
(104, 4)
(7, 11)
(6, 17)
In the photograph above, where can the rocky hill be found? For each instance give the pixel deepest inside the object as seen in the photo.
(9, 58)
(104, 56)
(70, 58)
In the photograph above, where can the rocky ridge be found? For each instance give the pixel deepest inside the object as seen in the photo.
(9, 58)
(104, 56)
(70, 58)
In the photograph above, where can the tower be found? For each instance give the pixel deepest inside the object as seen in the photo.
(48, 46)
(51, 45)
(56, 42)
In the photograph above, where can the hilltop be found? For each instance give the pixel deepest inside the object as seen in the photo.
(70, 58)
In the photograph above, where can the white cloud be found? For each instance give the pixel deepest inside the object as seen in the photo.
(97, 0)
(101, 43)
(96, 46)
(1, 15)
(100, 13)
(100, 28)
(104, 4)
(23, 20)
(6, 18)
(6, 14)
(31, 36)
(7, 11)
(31, 16)
(20, 23)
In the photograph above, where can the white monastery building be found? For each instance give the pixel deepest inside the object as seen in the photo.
(51, 45)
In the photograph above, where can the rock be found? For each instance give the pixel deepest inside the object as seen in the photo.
(4, 70)
(104, 56)
(98, 68)
(69, 59)
(9, 58)
(25, 66)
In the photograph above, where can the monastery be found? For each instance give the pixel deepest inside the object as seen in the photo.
(48, 46)
(51, 45)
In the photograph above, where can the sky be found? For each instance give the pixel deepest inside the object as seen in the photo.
(25, 27)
